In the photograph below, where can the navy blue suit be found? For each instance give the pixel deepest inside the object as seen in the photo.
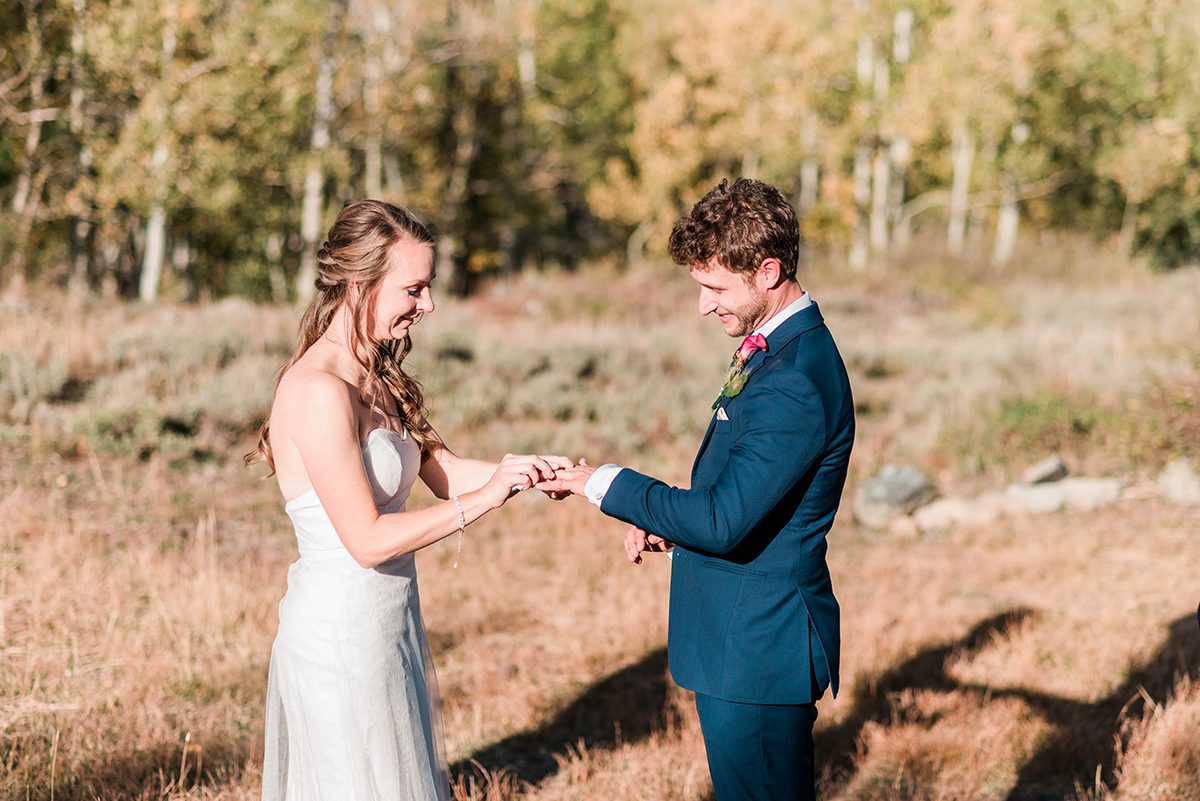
(753, 618)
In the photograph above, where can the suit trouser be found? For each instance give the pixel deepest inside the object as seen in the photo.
(758, 752)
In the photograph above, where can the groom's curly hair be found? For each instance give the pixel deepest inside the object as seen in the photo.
(740, 223)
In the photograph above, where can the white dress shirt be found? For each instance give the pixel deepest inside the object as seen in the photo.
(599, 482)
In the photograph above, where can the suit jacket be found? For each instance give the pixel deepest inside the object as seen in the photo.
(753, 617)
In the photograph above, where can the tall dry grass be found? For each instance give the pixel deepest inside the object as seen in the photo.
(1050, 657)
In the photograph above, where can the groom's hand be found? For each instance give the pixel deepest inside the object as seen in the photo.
(570, 480)
(638, 542)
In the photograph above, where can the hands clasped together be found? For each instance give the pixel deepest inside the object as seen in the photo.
(559, 477)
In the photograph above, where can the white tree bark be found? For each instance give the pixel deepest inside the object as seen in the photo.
(880, 168)
(33, 138)
(1125, 238)
(810, 172)
(156, 235)
(864, 70)
(393, 179)
(81, 259)
(314, 178)
(880, 196)
(862, 200)
(902, 28)
(962, 153)
(373, 155)
(900, 151)
(1006, 224)
(156, 225)
(899, 155)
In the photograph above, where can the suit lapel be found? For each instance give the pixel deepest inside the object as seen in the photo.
(806, 319)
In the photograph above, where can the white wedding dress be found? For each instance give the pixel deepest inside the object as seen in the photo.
(352, 702)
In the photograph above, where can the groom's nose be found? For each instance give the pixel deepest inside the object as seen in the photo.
(707, 303)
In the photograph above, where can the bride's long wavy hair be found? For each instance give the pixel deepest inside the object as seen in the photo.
(356, 252)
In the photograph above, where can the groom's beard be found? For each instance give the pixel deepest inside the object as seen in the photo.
(750, 316)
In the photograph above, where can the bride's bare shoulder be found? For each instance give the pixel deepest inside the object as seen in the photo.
(311, 390)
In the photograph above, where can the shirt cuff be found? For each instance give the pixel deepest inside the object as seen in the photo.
(599, 482)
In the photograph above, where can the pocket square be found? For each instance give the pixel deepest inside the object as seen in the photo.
(721, 413)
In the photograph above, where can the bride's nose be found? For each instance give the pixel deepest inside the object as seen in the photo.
(425, 301)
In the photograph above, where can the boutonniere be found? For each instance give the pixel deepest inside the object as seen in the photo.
(735, 379)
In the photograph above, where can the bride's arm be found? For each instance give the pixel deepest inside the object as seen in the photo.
(332, 458)
(446, 473)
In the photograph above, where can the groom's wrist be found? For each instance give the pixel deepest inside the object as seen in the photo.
(598, 483)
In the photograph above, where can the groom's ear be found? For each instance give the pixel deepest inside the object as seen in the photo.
(769, 273)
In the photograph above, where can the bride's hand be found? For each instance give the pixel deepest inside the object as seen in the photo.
(558, 463)
(513, 474)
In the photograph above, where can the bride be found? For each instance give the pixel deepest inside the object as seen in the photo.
(352, 706)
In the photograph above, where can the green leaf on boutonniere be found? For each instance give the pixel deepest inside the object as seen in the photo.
(735, 382)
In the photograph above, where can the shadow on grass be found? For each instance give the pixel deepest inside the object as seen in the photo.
(1083, 734)
(626, 707)
(1082, 743)
(151, 773)
(836, 745)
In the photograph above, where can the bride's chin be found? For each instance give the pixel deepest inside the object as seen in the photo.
(401, 328)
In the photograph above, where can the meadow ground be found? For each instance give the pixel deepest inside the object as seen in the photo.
(1054, 657)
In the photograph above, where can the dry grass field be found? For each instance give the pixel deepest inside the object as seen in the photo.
(1054, 657)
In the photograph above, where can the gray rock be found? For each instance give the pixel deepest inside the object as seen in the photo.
(1052, 468)
(1091, 493)
(1077, 493)
(903, 528)
(946, 513)
(1038, 498)
(893, 491)
(1178, 483)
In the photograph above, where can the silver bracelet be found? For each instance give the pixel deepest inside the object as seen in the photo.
(462, 524)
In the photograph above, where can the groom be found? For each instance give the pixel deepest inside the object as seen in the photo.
(753, 620)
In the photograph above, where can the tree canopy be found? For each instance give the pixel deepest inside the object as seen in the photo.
(201, 147)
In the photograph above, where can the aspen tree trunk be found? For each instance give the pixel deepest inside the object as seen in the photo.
(962, 154)
(462, 118)
(1006, 224)
(898, 155)
(1125, 238)
(373, 155)
(880, 168)
(810, 173)
(900, 152)
(865, 64)
(156, 234)
(156, 226)
(393, 178)
(33, 138)
(1009, 219)
(635, 247)
(381, 61)
(880, 174)
(862, 198)
(81, 226)
(314, 180)
(527, 56)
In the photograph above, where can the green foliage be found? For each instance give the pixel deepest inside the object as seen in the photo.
(1130, 429)
(544, 132)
